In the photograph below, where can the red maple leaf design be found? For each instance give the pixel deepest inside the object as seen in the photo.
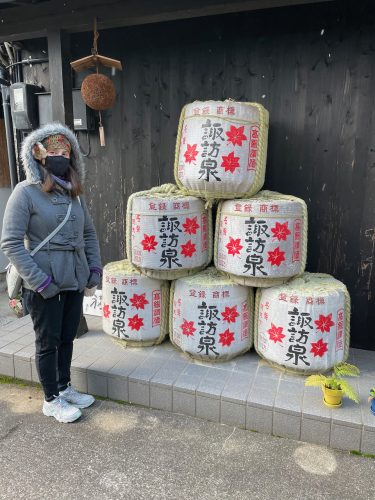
(191, 153)
(230, 314)
(276, 257)
(149, 242)
(135, 322)
(234, 246)
(106, 311)
(139, 301)
(281, 231)
(226, 338)
(188, 249)
(324, 323)
(236, 135)
(187, 328)
(230, 162)
(319, 348)
(276, 333)
(191, 225)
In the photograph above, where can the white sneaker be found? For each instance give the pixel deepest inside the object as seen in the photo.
(61, 410)
(76, 398)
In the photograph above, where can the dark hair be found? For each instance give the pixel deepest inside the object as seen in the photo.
(49, 184)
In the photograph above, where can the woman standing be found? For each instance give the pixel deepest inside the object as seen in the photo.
(54, 279)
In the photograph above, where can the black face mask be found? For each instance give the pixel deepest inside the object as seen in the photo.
(57, 165)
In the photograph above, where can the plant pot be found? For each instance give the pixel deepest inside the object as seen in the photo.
(332, 397)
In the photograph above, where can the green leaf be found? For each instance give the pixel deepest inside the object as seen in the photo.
(349, 391)
(346, 370)
(315, 380)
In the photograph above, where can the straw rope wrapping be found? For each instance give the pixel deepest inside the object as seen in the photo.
(126, 269)
(214, 277)
(266, 281)
(171, 191)
(302, 283)
(260, 171)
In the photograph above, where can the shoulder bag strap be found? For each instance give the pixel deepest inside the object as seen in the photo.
(51, 235)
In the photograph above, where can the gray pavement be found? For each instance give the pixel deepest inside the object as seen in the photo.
(119, 451)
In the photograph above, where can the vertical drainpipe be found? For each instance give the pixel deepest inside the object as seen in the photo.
(9, 132)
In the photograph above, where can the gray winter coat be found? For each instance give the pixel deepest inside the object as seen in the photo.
(32, 214)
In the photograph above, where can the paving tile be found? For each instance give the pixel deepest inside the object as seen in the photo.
(315, 431)
(161, 397)
(149, 367)
(246, 363)
(11, 349)
(313, 405)
(168, 373)
(4, 343)
(105, 363)
(78, 379)
(237, 387)
(22, 369)
(233, 414)
(368, 442)
(6, 366)
(349, 414)
(258, 419)
(213, 383)
(16, 324)
(139, 393)
(345, 437)
(128, 363)
(368, 418)
(286, 425)
(118, 388)
(208, 408)
(190, 378)
(183, 402)
(97, 384)
(263, 392)
(266, 370)
(289, 397)
(25, 353)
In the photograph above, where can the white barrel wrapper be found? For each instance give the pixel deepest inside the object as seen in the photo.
(135, 307)
(222, 149)
(261, 241)
(304, 324)
(211, 316)
(169, 234)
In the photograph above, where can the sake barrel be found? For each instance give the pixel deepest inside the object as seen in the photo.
(135, 307)
(221, 148)
(303, 325)
(261, 241)
(169, 235)
(211, 316)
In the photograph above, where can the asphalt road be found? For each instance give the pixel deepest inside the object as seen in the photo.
(125, 452)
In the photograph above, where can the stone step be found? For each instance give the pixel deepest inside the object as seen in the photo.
(245, 392)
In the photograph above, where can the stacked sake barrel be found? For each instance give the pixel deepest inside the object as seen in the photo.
(260, 241)
(135, 307)
(211, 317)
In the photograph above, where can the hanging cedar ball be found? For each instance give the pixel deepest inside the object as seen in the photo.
(98, 92)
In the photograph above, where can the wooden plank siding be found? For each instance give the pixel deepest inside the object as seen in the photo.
(313, 68)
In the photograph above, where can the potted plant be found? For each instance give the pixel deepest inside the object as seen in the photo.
(334, 386)
(372, 400)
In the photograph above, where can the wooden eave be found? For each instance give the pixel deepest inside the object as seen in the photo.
(32, 20)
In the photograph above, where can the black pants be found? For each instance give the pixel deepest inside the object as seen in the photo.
(55, 322)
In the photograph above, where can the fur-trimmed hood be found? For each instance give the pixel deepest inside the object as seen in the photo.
(32, 167)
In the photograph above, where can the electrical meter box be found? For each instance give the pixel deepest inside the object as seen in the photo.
(24, 105)
(83, 117)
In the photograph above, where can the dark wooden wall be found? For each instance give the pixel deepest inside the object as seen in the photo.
(313, 68)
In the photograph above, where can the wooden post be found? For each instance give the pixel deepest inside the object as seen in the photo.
(60, 76)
